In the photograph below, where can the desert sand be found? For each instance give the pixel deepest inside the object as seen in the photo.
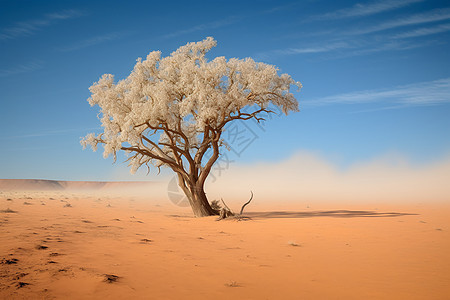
(80, 240)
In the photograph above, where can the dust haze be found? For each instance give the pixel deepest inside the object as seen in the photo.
(308, 178)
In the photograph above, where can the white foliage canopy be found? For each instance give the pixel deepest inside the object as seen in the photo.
(171, 110)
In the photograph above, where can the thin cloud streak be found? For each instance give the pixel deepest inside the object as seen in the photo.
(352, 47)
(95, 41)
(428, 17)
(360, 10)
(30, 27)
(317, 49)
(22, 68)
(386, 46)
(425, 93)
(278, 8)
(48, 133)
(212, 25)
(227, 21)
(423, 31)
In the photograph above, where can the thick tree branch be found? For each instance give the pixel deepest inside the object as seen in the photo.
(204, 146)
(206, 170)
(170, 162)
(173, 136)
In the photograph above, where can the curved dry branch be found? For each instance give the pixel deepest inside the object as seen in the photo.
(167, 160)
(246, 203)
(225, 205)
(226, 212)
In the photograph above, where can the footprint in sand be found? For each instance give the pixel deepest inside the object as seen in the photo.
(8, 211)
(110, 278)
(19, 275)
(41, 247)
(21, 284)
(11, 261)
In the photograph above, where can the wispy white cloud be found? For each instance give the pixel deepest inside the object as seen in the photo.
(346, 48)
(278, 8)
(22, 68)
(27, 28)
(369, 48)
(365, 9)
(425, 93)
(423, 31)
(65, 14)
(417, 19)
(44, 133)
(228, 21)
(200, 27)
(314, 49)
(351, 43)
(382, 108)
(96, 40)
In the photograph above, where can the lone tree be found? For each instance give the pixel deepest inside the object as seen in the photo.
(170, 111)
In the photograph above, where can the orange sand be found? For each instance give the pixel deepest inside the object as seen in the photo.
(159, 251)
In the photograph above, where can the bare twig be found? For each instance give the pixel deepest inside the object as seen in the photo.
(224, 204)
(226, 212)
(248, 202)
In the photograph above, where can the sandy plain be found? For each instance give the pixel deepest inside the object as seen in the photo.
(97, 243)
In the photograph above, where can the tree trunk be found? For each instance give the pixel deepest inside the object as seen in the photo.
(199, 202)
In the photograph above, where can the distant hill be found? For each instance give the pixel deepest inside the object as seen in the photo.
(55, 185)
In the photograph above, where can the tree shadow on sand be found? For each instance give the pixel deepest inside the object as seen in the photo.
(329, 213)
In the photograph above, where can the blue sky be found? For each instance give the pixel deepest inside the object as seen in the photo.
(376, 76)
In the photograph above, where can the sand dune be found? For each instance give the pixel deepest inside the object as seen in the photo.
(74, 244)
